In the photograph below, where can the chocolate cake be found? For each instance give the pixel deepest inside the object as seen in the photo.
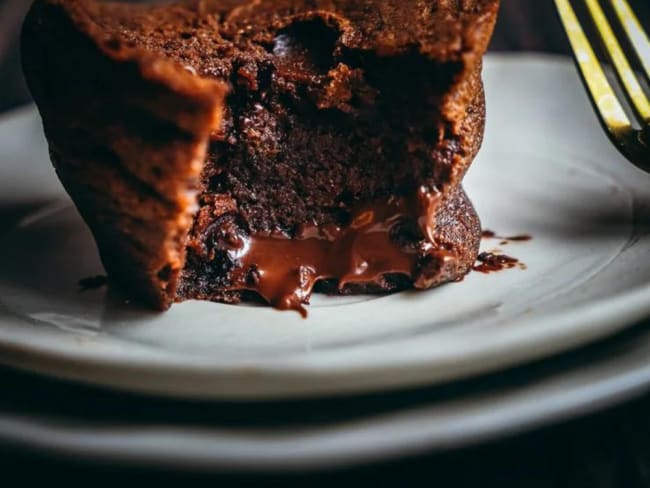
(247, 149)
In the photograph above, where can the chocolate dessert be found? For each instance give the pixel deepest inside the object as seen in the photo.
(260, 150)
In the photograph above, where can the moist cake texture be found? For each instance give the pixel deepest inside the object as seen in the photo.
(227, 150)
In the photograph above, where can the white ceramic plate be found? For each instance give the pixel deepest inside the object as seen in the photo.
(546, 169)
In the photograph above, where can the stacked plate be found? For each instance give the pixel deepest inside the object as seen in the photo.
(364, 378)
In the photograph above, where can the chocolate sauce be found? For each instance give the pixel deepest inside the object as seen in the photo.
(491, 262)
(284, 270)
(522, 237)
(92, 283)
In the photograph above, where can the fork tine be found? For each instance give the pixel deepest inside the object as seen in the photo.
(635, 33)
(627, 76)
(609, 109)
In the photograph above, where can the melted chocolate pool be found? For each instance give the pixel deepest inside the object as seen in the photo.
(489, 262)
(284, 270)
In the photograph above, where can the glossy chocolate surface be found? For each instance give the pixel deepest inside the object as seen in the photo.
(283, 270)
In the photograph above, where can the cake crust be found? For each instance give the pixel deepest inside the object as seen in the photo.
(127, 133)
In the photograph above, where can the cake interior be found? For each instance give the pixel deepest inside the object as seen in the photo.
(329, 168)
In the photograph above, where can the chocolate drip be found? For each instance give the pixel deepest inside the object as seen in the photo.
(489, 262)
(388, 236)
(519, 238)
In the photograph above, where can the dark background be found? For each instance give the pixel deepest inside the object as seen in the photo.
(609, 449)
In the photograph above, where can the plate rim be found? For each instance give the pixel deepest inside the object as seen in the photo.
(450, 423)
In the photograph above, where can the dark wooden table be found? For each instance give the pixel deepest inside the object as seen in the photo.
(608, 449)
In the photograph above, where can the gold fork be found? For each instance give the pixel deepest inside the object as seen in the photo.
(632, 138)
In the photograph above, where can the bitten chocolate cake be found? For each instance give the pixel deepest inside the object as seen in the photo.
(245, 149)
